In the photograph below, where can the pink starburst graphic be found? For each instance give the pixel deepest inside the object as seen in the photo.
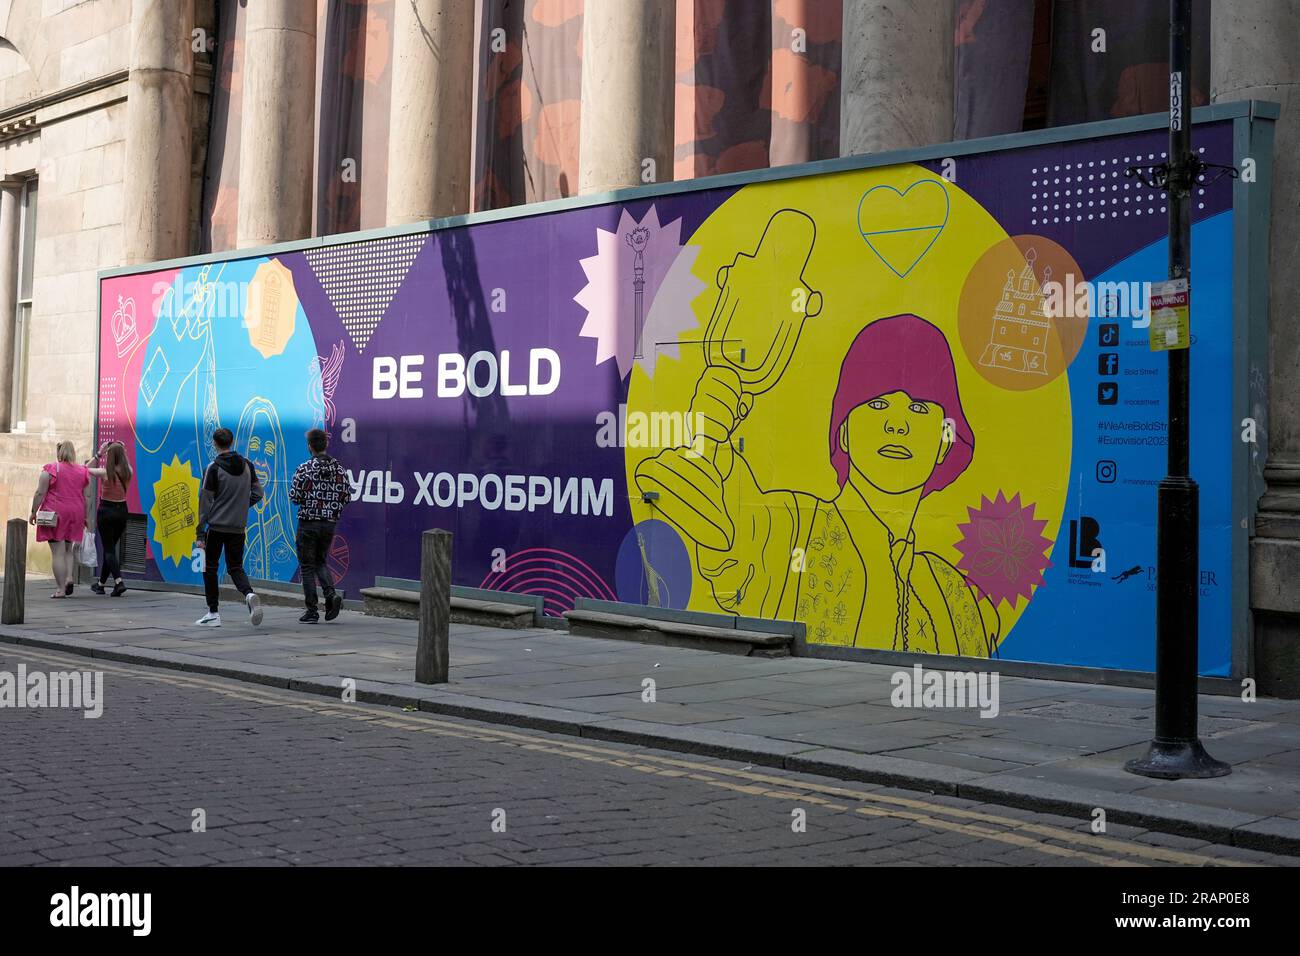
(639, 290)
(1004, 552)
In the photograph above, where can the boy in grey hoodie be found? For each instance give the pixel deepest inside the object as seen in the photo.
(230, 488)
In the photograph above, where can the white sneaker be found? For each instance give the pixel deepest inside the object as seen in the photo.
(209, 620)
(254, 609)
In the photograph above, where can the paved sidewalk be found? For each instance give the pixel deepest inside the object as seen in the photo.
(1053, 746)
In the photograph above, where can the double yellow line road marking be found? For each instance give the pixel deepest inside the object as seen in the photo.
(1054, 841)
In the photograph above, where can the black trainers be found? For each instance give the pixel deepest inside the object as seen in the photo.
(97, 588)
(333, 604)
(309, 617)
(118, 589)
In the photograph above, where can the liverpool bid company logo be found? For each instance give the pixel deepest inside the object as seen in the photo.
(1085, 542)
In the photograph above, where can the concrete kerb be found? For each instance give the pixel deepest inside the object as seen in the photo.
(1215, 825)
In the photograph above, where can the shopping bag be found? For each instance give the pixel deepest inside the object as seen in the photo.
(86, 552)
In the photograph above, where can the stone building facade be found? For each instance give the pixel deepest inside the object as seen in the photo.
(109, 134)
(66, 81)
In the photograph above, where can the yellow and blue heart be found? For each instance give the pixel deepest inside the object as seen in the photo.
(901, 226)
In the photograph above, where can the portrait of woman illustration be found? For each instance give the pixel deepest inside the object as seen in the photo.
(270, 553)
(851, 567)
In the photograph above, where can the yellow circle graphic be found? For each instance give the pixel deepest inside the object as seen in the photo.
(841, 460)
(1020, 320)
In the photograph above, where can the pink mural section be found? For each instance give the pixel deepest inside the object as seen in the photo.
(129, 307)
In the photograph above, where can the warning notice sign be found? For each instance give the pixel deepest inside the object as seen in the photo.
(1169, 309)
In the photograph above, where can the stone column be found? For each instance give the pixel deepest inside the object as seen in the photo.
(430, 126)
(628, 49)
(1252, 57)
(159, 110)
(10, 216)
(896, 82)
(277, 133)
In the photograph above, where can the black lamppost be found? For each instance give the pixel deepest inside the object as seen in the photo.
(1177, 751)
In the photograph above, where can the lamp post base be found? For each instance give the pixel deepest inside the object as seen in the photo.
(1177, 759)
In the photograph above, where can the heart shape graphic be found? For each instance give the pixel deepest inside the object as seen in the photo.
(900, 227)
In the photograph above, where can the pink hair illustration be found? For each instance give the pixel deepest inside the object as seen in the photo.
(902, 353)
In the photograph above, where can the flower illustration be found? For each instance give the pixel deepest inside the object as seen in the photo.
(1004, 552)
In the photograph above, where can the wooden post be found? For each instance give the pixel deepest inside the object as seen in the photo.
(14, 608)
(435, 607)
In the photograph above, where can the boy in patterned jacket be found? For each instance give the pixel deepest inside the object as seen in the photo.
(320, 489)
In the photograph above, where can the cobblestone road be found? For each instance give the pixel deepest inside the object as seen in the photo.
(282, 778)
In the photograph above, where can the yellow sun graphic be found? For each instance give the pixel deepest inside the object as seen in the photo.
(175, 510)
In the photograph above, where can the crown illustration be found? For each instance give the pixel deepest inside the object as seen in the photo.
(123, 325)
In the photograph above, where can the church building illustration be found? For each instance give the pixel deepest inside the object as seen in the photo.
(1018, 341)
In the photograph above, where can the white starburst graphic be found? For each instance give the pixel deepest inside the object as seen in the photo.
(639, 291)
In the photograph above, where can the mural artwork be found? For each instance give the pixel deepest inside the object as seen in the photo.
(913, 407)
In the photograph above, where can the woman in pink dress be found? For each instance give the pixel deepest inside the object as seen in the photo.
(62, 489)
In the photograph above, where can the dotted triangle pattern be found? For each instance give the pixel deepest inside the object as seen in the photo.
(361, 279)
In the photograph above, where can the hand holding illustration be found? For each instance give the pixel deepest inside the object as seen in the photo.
(763, 302)
(691, 479)
(719, 404)
(749, 575)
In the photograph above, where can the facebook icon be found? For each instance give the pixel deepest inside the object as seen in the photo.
(1107, 363)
